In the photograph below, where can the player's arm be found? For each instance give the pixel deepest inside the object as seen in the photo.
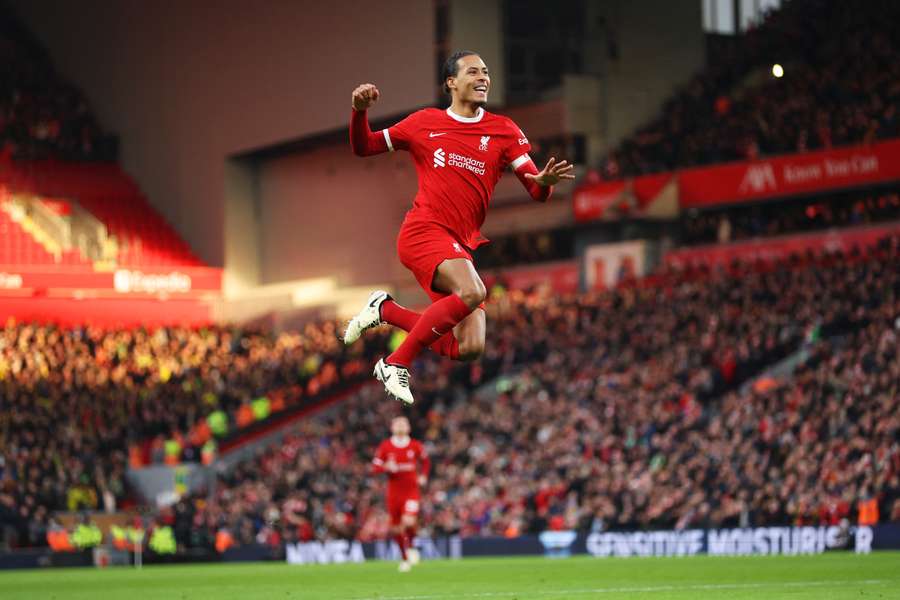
(366, 143)
(540, 183)
(378, 463)
(362, 140)
(382, 463)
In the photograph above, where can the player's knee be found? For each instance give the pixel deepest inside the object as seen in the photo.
(471, 349)
(473, 294)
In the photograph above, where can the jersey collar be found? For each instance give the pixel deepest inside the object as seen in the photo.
(400, 442)
(478, 116)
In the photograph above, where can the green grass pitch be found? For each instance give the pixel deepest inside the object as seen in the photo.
(733, 578)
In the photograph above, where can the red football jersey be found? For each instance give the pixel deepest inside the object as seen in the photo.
(458, 161)
(411, 460)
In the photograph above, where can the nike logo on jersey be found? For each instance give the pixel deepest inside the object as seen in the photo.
(433, 134)
(436, 332)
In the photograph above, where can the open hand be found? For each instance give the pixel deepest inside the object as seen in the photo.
(552, 173)
(365, 96)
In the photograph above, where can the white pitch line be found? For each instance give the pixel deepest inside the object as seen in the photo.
(637, 590)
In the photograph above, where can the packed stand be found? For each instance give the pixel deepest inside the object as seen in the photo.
(41, 114)
(815, 449)
(617, 411)
(78, 406)
(841, 85)
(846, 209)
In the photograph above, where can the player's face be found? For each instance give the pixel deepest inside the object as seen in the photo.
(400, 427)
(472, 82)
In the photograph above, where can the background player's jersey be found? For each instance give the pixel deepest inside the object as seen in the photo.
(458, 161)
(411, 461)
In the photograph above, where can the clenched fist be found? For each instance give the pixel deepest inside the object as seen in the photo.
(365, 96)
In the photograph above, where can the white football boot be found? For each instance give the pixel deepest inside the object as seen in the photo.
(395, 379)
(413, 556)
(368, 317)
(404, 566)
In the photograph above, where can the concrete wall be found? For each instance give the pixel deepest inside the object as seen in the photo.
(477, 25)
(188, 83)
(242, 228)
(660, 45)
(326, 213)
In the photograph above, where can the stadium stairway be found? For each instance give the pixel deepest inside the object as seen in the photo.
(19, 245)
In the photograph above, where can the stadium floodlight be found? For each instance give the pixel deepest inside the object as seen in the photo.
(777, 70)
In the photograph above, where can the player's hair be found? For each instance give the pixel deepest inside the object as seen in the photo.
(451, 66)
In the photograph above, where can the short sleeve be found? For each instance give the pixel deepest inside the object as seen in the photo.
(399, 136)
(516, 152)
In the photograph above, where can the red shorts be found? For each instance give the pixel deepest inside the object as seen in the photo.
(399, 504)
(422, 246)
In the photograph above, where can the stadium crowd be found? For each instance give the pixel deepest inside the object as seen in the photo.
(731, 223)
(77, 406)
(615, 411)
(605, 410)
(841, 85)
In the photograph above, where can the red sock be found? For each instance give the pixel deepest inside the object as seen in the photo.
(398, 316)
(438, 320)
(447, 346)
(411, 536)
(401, 543)
(404, 318)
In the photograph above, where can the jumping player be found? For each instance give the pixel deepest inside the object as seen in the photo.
(460, 154)
(407, 466)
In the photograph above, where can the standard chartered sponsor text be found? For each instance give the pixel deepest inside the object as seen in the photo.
(465, 162)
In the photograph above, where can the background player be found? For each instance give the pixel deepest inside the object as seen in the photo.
(459, 154)
(407, 465)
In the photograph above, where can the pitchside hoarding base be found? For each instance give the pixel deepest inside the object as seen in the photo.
(691, 542)
(552, 544)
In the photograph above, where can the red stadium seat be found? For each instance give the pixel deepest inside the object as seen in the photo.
(145, 238)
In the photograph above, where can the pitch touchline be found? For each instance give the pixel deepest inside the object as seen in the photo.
(642, 590)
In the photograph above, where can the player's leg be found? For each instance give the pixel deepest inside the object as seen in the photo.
(399, 536)
(410, 529)
(470, 335)
(404, 318)
(465, 291)
(381, 308)
(395, 509)
(465, 342)
(441, 265)
(457, 278)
